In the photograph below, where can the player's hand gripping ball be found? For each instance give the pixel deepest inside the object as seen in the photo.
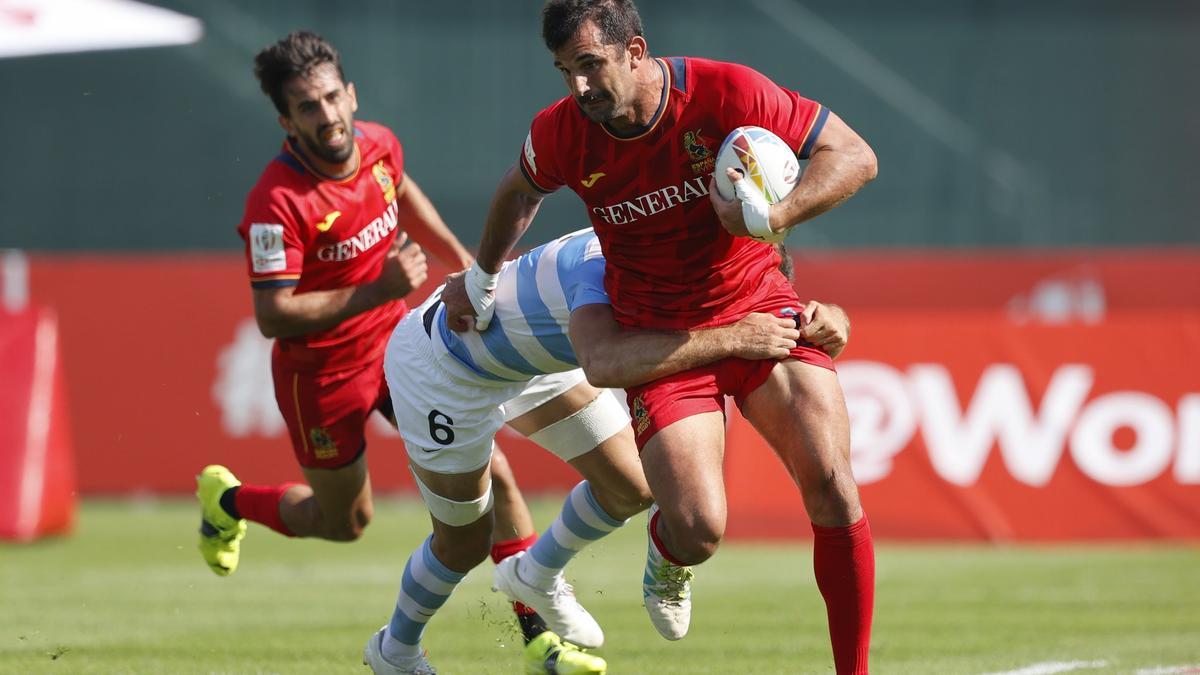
(769, 169)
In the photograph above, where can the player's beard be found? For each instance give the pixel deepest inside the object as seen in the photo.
(332, 154)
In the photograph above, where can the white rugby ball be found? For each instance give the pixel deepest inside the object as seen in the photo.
(767, 163)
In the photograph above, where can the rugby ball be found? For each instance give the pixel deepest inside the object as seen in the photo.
(763, 158)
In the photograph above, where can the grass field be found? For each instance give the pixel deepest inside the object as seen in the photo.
(128, 594)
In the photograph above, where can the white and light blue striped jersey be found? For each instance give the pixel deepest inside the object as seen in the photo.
(535, 296)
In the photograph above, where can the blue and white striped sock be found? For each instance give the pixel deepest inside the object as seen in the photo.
(424, 588)
(581, 522)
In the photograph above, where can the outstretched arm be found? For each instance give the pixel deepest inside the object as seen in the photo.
(613, 356)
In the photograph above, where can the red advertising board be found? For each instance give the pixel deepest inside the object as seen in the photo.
(966, 425)
(167, 372)
(992, 396)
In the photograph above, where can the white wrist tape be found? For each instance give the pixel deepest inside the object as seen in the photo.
(756, 212)
(480, 291)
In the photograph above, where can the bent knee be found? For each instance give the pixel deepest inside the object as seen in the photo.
(694, 551)
(696, 541)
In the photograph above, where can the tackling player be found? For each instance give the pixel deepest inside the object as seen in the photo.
(636, 140)
(452, 393)
(328, 263)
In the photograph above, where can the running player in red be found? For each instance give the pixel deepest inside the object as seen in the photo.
(636, 140)
(326, 234)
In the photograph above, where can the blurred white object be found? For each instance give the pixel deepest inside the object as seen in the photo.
(30, 27)
(243, 389)
(1061, 300)
(14, 280)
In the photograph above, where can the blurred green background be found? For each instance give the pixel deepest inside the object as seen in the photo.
(997, 123)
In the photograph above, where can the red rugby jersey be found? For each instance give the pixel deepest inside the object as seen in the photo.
(305, 230)
(670, 264)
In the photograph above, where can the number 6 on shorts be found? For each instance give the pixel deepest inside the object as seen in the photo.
(442, 433)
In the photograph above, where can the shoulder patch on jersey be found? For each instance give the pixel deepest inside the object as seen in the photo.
(266, 248)
(679, 72)
(529, 153)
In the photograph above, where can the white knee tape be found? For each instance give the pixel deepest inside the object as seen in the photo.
(451, 512)
(584, 429)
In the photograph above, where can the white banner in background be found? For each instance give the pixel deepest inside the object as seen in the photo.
(31, 27)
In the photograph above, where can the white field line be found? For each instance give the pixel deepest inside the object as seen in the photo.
(1169, 670)
(1051, 667)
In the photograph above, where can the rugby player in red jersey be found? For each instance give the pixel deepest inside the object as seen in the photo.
(326, 233)
(636, 140)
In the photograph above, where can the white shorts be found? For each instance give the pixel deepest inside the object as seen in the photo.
(448, 415)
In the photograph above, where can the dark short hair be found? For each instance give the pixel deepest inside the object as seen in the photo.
(618, 20)
(297, 55)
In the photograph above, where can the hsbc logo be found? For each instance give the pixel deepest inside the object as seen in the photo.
(1117, 438)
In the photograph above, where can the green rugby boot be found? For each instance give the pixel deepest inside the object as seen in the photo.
(220, 533)
(547, 654)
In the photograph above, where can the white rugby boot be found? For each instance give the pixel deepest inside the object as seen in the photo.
(373, 657)
(666, 589)
(557, 604)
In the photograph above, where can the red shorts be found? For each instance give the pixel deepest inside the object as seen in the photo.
(655, 405)
(326, 413)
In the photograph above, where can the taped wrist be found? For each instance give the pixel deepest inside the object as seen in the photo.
(478, 278)
(480, 286)
(756, 212)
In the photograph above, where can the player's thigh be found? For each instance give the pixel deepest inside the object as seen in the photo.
(682, 463)
(801, 413)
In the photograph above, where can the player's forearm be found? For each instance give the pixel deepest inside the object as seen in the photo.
(422, 221)
(293, 315)
(825, 185)
(839, 166)
(635, 356)
(512, 210)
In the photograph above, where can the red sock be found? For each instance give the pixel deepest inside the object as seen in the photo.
(510, 547)
(503, 549)
(844, 563)
(658, 543)
(260, 503)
